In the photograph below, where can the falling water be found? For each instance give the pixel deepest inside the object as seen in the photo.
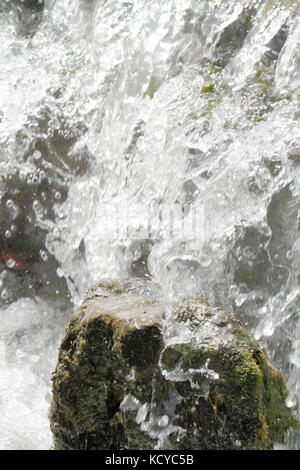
(113, 110)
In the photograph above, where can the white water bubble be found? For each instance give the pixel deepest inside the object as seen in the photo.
(248, 253)
(240, 300)
(5, 294)
(36, 154)
(35, 180)
(43, 255)
(61, 215)
(163, 421)
(291, 401)
(215, 246)
(221, 200)
(205, 261)
(42, 175)
(10, 263)
(59, 272)
(268, 329)
(13, 208)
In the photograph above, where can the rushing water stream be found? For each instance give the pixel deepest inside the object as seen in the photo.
(112, 111)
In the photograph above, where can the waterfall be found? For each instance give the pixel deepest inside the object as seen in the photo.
(149, 139)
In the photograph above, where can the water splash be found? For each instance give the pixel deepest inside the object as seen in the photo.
(186, 103)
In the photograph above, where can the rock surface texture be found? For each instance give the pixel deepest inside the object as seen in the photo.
(129, 377)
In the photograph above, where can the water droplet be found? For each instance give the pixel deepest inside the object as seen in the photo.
(43, 255)
(291, 401)
(59, 272)
(268, 329)
(10, 263)
(35, 180)
(240, 299)
(36, 154)
(221, 199)
(205, 261)
(215, 246)
(5, 294)
(163, 421)
(13, 208)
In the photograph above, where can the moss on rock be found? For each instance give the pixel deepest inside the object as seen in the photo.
(127, 380)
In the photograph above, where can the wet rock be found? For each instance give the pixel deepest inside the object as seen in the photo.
(27, 268)
(275, 46)
(234, 35)
(128, 378)
(251, 262)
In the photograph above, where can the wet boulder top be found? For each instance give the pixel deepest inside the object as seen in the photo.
(133, 373)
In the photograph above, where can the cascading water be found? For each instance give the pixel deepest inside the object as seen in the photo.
(113, 110)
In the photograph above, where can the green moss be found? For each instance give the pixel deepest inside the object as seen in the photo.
(245, 391)
(274, 166)
(224, 390)
(193, 356)
(278, 416)
(254, 373)
(247, 371)
(208, 88)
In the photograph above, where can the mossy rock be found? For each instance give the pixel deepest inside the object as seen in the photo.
(127, 378)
